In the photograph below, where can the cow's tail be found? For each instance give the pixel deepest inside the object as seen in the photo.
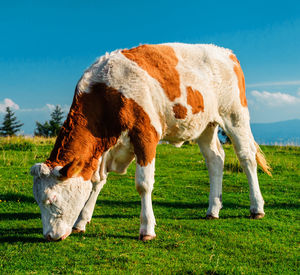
(261, 160)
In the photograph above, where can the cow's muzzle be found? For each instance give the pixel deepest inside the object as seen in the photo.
(50, 237)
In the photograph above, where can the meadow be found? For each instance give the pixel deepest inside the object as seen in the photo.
(186, 243)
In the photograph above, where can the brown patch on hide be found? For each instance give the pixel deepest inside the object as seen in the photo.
(72, 169)
(241, 79)
(180, 111)
(94, 124)
(159, 61)
(195, 100)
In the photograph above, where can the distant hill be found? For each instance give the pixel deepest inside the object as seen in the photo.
(280, 133)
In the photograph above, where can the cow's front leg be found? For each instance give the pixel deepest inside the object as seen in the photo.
(87, 211)
(144, 180)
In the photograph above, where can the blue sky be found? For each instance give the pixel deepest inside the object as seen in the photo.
(46, 45)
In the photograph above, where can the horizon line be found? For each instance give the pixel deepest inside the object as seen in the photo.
(278, 83)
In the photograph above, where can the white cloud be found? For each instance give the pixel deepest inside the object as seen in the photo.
(275, 99)
(51, 107)
(7, 102)
(46, 108)
(41, 114)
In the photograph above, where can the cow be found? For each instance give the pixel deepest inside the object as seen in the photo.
(123, 105)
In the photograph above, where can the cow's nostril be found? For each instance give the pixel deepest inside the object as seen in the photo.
(48, 238)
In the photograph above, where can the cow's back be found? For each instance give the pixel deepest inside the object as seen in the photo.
(181, 87)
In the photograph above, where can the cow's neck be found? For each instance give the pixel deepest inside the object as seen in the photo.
(85, 135)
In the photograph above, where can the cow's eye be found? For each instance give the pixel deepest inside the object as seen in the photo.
(56, 211)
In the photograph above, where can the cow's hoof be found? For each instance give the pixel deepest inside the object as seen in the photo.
(77, 230)
(210, 217)
(256, 216)
(146, 238)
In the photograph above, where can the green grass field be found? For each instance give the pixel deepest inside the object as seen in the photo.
(185, 243)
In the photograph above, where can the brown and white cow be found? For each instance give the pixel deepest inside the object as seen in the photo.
(124, 104)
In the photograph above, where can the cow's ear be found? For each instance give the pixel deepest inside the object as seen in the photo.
(56, 171)
(72, 169)
(40, 169)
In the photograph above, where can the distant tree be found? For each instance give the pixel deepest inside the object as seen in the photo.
(51, 128)
(56, 121)
(224, 139)
(10, 125)
(42, 129)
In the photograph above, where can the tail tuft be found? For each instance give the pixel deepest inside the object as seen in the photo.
(261, 160)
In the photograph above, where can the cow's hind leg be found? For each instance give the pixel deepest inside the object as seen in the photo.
(238, 128)
(214, 155)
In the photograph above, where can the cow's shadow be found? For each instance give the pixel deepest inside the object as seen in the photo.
(27, 235)
(15, 235)
(19, 216)
(16, 197)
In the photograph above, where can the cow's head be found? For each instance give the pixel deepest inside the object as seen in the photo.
(60, 198)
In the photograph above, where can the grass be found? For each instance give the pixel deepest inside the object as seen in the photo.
(186, 243)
